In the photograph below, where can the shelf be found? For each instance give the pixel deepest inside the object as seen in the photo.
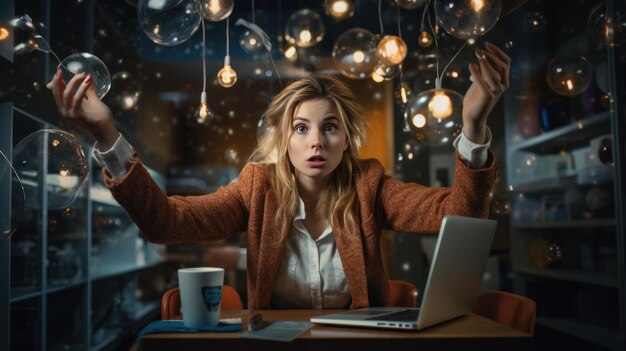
(25, 295)
(61, 287)
(122, 269)
(589, 332)
(567, 137)
(581, 223)
(593, 278)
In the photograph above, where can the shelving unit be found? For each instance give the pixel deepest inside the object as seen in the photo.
(566, 232)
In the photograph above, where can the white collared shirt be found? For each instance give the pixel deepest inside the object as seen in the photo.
(311, 274)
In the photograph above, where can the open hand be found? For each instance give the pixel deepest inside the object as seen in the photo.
(77, 101)
(490, 78)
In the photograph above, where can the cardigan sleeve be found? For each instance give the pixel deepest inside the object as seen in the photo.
(410, 207)
(178, 219)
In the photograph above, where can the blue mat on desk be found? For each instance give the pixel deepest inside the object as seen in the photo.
(179, 327)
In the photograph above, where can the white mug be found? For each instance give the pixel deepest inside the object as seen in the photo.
(201, 295)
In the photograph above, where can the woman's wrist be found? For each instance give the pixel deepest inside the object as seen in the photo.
(476, 133)
(106, 136)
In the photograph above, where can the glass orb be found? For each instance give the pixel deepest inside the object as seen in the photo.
(304, 28)
(606, 29)
(410, 4)
(568, 74)
(467, 19)
(339, 10)
(23, 33)
(403, 93)
(168, 22)
(231, 155)
(91, 64)
(391, 50)
(216, 10)
(251, 42)
(8, 226)
(535, 21)
(62, 160)
(227, 77)
(553, 252)
(125, 89)
(434, 116)
(354, 53)
(425, 40)
(386, 72)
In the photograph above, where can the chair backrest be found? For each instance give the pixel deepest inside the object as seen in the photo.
(510, 309)
(403, 294)
(170, 303)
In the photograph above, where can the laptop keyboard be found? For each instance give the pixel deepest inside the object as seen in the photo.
(402, 316)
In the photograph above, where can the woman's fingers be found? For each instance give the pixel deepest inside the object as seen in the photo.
(68, 94)
(500, 61)
(79, 96)
(489, 73)
(478, 79)
(58, 86)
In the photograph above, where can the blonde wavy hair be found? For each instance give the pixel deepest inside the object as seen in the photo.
(339, 197)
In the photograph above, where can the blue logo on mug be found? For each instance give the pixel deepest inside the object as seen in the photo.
(212, 295)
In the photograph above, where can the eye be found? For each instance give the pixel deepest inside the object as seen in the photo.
(300, 129)
(330, 128)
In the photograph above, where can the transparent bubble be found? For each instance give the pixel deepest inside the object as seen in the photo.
(410, 4)
(467, 19)
(434, 116)
(553, 252)
(62, 160)
(607, 29)
(391, 50)
(524, 165)
(10, 180)
(216, 10)
(500, 198)
(168, 22)
(203, 114)
(411, 148)
(91, 64)
(508, 44)
(263, 129)
(568, 74)
(403, 93)
(535, 21)
(304, 28)
(339, 9)
(125, 89)
(354, 53)
(23, 33)
(250, 42)
(387, 72)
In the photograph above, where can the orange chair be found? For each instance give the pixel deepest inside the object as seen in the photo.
(510, 309)
(170, 303)
(403, 294)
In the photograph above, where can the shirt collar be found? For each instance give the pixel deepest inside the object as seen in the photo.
(298, 221)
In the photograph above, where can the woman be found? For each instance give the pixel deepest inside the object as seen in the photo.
(313, 211)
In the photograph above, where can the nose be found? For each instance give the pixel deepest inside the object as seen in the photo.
(317, 141)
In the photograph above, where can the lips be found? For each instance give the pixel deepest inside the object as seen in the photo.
(316, 161)
(316, 158)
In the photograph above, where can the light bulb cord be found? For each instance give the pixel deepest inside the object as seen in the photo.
(398, 15)
(422, 27)
(227, 36)
(380, 16)
(430, 24)
(253, 18)
(440, 77)
(203, 56)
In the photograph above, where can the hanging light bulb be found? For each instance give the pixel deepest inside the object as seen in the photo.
(391, 50)
(440, 105)
(377, 77)
(425, 40)
(203, 114)
(339, 9)
(291, 53)
(403, 93)
(216, 10)
(227, 77)
(434, 116)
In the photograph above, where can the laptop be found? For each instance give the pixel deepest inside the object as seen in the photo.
(453, 283)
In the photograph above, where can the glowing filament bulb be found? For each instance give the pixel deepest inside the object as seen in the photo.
(227, 77)
(4, 33)
(340, 7)
(419, 120)
(569, 84)
(203, 113)
(377, 77)
(64, 172)
(477, 5)
(55, 142)
(425, 39)
(440, 106)
(358, 56)
(391, 50)
(291, 54)
(305, 36)
(215, 6)
(403, 96)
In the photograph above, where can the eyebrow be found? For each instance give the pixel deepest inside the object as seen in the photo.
(309, 121)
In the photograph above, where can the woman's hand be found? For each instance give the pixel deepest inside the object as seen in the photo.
(77, 101)
(490, 78)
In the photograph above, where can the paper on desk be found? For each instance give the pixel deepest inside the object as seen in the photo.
(278, 330)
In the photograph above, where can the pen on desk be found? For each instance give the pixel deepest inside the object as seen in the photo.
(255, 322)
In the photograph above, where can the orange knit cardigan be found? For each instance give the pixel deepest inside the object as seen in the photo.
(249, 205)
